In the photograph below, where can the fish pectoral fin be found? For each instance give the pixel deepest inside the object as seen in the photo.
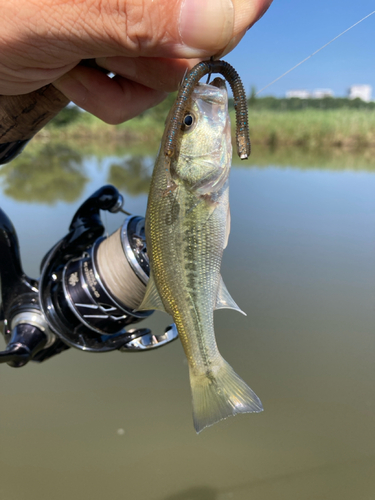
(152, 299)
(224, 299)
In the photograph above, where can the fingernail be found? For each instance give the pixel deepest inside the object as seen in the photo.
(72, 88)
(206, 24)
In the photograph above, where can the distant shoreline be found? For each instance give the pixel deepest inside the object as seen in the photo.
(309, 128)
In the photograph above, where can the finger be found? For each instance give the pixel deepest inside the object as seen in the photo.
(113, 100)
(88, 29)
(247, 13)
(153, 72)
(231, 45)
(56, 35)
(18, 81)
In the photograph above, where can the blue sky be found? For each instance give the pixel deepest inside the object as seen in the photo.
(293, 29)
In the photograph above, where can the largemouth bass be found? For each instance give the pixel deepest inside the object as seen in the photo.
(187, 229)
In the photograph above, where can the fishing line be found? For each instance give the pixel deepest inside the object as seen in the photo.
(125, 212)
(105, 224)
(117, 273)
(313, 54)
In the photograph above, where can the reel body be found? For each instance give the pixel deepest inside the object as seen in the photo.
(77, 301)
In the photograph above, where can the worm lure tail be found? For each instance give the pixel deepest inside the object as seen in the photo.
(240, 105)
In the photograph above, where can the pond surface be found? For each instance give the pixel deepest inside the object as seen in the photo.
(300, 262)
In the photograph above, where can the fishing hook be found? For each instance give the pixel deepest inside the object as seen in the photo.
(210, 73)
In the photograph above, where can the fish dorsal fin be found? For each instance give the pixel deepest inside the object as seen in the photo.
(227, 229)
(152, 299)
(224, 299)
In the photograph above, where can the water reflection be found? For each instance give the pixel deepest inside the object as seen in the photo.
(133, 175)
(337, 478)
(51, 174)
(286, 486)
(334, 159)
(55, 172)
(300, 262)
(199, 493)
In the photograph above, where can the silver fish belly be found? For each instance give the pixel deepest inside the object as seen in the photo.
(187, 229)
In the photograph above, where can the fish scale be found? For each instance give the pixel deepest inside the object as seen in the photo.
(183, 286)
(187, 223)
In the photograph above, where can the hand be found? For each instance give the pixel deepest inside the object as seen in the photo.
(148, 44)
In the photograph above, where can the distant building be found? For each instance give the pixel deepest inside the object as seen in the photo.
(362, 91)
(306, 94)
(321, 93)
(300, 93)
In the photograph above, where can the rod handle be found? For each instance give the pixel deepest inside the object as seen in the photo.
(22, 116)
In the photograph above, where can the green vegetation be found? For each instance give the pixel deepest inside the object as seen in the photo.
(131, 175)
(313, 128)
(67, 116)
(51, 169)
(78, 127)
(310, 123)
(296, 104)
(44, 174)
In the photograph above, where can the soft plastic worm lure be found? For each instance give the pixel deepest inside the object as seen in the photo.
(186, 89)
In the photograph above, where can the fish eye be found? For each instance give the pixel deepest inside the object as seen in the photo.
(188, 121)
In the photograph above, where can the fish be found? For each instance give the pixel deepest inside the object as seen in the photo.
(187, 228)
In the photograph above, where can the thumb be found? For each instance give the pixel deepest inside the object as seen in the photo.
(162, 28)
(149, 28)
(174, 28)
(205, 26)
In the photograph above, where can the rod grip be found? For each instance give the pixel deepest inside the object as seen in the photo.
(22, 116)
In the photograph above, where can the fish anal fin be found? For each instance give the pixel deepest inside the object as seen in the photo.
(224, 299)
(152, 299)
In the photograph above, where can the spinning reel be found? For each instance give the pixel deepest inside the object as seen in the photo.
(88, 292)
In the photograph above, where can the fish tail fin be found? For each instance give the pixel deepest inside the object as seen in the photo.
(220, 393)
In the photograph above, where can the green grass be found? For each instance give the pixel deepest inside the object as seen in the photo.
(309, 128)
(313, 128)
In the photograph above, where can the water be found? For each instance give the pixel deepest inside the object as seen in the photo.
(300, 262)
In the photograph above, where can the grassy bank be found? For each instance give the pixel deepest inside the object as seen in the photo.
(310, 128)
(314, 128)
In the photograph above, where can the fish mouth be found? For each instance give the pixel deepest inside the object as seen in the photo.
(218, 82)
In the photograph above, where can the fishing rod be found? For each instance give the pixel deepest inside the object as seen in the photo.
(22, 116)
